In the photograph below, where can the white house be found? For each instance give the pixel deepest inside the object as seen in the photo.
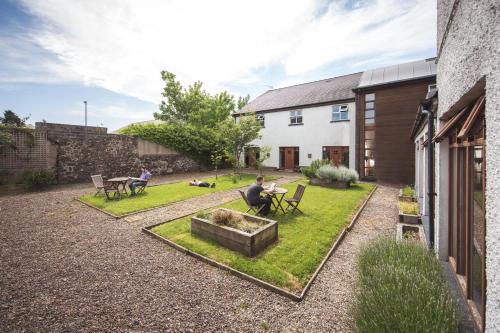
(305, 122)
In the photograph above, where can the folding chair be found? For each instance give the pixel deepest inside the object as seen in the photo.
(141, 188)
(295, 201)
(255, 209)
(98, 183)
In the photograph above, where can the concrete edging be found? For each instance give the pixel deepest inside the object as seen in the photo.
(261, 283)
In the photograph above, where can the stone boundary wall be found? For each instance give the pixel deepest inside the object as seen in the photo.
(74, 153)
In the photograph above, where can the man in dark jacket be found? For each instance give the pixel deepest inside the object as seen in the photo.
(254, 198)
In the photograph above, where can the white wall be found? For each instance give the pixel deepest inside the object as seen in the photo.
(317, 131)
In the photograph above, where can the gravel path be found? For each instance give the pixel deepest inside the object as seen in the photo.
(69, 268)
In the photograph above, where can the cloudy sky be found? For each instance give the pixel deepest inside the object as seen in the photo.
(57, 53)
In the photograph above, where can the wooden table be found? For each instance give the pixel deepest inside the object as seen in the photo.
(276, 198)
(121, 181)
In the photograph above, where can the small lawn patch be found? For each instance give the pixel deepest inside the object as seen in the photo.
(161, 195)
(304, 239)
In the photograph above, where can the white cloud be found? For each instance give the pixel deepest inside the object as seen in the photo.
(123, 45)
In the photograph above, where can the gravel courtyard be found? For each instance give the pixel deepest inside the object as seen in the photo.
(66, 267)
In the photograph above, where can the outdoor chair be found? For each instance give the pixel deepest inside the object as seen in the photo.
(255, 209)
(98, 181)
(112, 190)
(294, 202)
(141, 188)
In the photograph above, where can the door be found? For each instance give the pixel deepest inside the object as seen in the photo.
(289, 157)
(338, 155)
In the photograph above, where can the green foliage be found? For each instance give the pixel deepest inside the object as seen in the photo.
(161, 195)
(310, 171)
(408, 191)
(6, 141)
(12, 119)
(401, 289)
(193, 105)
(236, 136)
(304, 239)
(264, 154)
(36, 180)
(410, 208)
(242, 101)
(331, 173)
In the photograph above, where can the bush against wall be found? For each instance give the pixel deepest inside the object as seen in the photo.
(400, 288)
(37, 180)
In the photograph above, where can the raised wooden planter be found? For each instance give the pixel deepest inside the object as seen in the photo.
(406, 197)
(416, 230)
(409, 218)
(249, 244)
(335, 184)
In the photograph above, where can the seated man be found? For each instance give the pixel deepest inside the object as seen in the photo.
(199, 183)
(145, 175)
(255, 199)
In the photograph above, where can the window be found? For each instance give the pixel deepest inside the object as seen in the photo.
(340, 112)
(431, 87)
(262, 120)
(296, 117)
(369, 135)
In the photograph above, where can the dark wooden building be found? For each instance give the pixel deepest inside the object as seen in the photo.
(386, 102)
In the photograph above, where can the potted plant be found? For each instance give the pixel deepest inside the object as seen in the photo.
(409, 213)
(407, 193)
(244, 233)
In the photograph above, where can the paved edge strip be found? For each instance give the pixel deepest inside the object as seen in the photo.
(244, 276)
(156, 207)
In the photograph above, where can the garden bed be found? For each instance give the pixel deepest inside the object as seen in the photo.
(161, 195)
(407, 194)
(305, 241)
(250, 235)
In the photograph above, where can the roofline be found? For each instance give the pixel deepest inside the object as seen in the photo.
(328, 78)
(304, 106)
(421, 78)
(420, 119)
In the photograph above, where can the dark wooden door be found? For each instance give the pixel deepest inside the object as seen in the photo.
(289, 158)
(338, 155)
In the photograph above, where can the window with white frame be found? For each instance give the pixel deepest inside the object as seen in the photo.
(431, 87)
(340, 112)
(295, 117)
(261, 119)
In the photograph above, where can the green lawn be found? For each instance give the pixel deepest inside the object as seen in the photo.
(160, 195)
(303, 242)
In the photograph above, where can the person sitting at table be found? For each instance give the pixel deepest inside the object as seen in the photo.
(254, 198)
(144, 176)
(199, 183)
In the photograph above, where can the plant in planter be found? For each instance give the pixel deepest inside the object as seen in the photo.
(240, 232)
(310, 171)
(409, 213)
(337, 177)
(407, 194)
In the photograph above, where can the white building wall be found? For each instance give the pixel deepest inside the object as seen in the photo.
(317, 131)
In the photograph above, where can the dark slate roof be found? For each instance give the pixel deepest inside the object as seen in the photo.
(397, 73)
(311, 93)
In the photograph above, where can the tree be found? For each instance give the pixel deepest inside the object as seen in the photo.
(237, 135)
(264, 154)
(242, 101)
(193, 105)
(12, 119)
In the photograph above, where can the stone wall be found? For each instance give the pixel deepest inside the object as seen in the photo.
(468, 58)
(74, 153)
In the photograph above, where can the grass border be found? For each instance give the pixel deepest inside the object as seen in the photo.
(156, 207)
(259, 282)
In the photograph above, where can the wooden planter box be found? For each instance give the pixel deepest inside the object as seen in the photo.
(335, 184)
(237, 240)
(409, 218)
(405, 197)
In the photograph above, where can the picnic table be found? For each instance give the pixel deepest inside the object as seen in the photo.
(277, 196)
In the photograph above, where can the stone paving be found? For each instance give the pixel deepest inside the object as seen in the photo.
(67, 267)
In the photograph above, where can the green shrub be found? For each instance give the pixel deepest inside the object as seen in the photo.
(331, 173)
(35, 180)
(310, 171)
(401, 289)
(408, 191)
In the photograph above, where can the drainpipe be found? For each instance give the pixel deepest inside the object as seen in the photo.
(430, 169)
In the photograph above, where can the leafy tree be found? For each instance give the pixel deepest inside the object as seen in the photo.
(242, 101)
(264, 154)
(6, 142)
(237, 136)
(193, 105)
(10, 118)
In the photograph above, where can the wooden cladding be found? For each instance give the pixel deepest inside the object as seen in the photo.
(386, 116)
